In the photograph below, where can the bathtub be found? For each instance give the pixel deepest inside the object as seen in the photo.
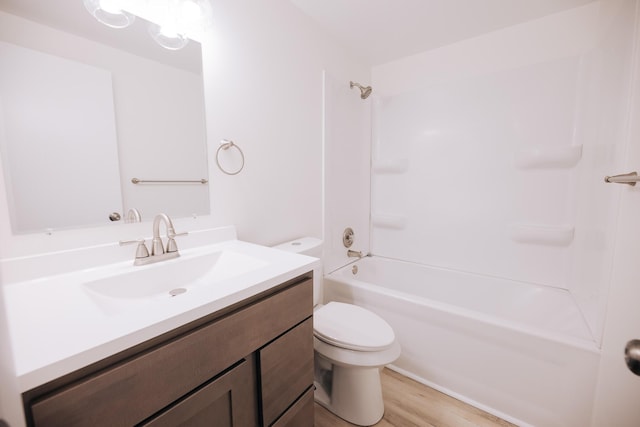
(519, 351)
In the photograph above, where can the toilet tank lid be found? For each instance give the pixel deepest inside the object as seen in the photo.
(352, 327)
(304, 245)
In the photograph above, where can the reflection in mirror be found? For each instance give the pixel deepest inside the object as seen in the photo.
(84, 118)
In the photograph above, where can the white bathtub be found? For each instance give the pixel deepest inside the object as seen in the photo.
(520, 351)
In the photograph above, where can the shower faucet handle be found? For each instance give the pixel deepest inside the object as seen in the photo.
(348, 237)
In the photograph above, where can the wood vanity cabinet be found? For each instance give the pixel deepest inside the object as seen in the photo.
(250, 364)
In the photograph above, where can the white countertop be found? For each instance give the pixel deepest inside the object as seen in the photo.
(56, 326)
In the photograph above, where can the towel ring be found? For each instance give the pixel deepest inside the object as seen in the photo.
(225, 144)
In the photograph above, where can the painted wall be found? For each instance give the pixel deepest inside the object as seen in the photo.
(264, 67)
(500, 143)
(347, 159)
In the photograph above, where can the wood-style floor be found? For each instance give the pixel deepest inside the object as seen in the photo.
(408, 403)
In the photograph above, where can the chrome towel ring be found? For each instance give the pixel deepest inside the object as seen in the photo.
(225, 144)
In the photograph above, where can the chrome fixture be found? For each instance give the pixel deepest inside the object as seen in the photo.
(632, 356)
(628, 178)
(142, 253)
(225, 144)
(157, 248)
(169, 181)
(364, 91)
(133, 215)
(158, 251)
(354, 254)
(348, 237)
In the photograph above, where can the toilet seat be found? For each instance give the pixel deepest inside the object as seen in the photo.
(351, 327)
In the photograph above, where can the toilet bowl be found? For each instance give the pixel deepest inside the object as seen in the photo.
(351, 345)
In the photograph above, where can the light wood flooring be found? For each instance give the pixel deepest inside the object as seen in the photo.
(408, 403)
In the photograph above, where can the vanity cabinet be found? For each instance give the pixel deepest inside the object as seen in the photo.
(250, 364)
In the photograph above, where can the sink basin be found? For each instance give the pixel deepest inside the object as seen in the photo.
(167, 279)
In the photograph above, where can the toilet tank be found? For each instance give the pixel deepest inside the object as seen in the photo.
(309, 246)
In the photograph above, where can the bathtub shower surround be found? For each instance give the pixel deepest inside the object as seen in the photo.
(501, 153)
(487, 164)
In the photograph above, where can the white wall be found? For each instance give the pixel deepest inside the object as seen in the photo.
(264, 75)
(347, 142)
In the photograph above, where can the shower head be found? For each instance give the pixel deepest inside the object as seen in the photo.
(364, 91)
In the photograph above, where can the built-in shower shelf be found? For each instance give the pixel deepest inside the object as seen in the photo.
(384, 166)
(541, 157)
(536, 234)
(395, 222)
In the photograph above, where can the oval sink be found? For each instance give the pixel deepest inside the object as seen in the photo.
(167, 279)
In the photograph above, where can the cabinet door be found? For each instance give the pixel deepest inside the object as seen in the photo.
(300, 414)
(286, 370)
(229, 400)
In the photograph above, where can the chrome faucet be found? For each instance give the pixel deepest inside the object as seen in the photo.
(158, 251)
(157, 247)
(354, 254)
(133, 215)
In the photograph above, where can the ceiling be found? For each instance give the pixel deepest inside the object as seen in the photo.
(384, 30)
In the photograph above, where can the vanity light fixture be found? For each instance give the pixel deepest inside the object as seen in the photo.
(172, 22)
(180, 19)
(167, 37)
(109, 12)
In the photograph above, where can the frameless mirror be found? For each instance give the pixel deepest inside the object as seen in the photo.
(87, 110)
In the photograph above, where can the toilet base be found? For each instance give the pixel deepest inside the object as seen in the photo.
(353, 394)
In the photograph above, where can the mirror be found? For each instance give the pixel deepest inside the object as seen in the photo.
(131, 109)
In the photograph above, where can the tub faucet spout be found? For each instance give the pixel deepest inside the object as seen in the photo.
(354, 254)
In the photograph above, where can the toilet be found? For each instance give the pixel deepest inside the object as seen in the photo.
(351, 345)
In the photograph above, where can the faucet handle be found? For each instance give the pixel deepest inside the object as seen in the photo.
(141, 250)
(171, 243)
(172, 235)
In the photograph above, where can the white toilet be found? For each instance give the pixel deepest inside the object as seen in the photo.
(351, 345)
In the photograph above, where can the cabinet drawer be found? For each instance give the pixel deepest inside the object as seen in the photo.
(227, 401)
(129, 392)
(286, 370)
(301, 414)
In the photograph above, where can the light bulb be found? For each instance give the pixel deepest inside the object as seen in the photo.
(191, 11)
(167, 36)
(109, 12)
(111, 6)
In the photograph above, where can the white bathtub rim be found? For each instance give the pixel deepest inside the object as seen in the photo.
(560, 338)
(371, 256)
(460, 397)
